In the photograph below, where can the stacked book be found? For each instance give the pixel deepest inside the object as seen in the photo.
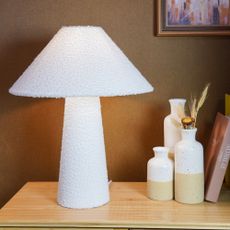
(218, 154)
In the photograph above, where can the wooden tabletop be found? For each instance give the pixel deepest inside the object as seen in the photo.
(35, 205)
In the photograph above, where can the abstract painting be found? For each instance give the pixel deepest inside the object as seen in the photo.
(193, 17)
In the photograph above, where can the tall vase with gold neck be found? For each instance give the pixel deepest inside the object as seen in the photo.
(172, 133)
(189, 168)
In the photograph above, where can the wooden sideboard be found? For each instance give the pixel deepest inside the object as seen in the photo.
(35, 207)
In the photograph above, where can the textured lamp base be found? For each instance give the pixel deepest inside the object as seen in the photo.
(83, 180)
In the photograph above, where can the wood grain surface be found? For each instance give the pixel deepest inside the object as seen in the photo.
(35, 206)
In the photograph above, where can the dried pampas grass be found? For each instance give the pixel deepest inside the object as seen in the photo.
(192, 107)
(195, 105)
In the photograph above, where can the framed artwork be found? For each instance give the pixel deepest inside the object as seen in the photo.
(193, 17)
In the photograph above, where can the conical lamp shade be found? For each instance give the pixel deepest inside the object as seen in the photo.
(80, 61)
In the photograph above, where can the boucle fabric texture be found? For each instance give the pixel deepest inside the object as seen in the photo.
(83, 180)
(80, 61)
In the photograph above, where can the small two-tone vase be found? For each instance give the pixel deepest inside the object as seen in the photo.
(160, 175)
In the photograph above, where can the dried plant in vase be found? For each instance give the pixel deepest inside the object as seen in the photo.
(189, 122)
(189, 157)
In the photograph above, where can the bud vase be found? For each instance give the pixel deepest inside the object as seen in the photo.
(172, 133)
(189, 169)
(160, 175)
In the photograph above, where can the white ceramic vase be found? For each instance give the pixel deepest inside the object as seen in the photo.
(189, 169)
(160, 175)
(172, 133)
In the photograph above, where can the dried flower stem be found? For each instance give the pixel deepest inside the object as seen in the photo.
(196, 105)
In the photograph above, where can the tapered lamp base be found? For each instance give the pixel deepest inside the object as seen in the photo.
(83, 180)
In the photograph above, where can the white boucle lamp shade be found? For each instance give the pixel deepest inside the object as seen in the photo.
(80, 64)
(80, 61)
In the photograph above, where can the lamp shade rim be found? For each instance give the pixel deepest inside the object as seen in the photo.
(53, 95)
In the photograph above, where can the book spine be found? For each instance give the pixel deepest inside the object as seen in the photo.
(217, 177)
(227, 113)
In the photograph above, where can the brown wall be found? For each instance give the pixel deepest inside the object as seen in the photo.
(30, 129)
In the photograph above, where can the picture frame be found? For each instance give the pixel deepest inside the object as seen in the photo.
(210, 20)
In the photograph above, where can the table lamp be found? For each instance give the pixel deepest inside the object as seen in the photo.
(81, 64)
